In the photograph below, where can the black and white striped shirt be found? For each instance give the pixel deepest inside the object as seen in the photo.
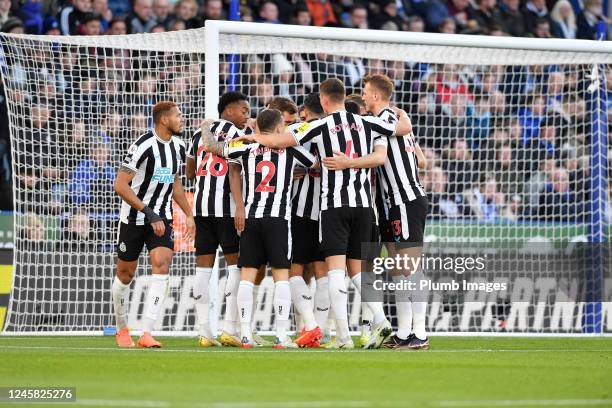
(399, 177)
(268, 177)
(156, 163)
(307, 190)
(213, 197)
(354, 135)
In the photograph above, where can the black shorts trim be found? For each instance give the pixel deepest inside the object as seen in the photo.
(407, 221)
(344, 230)
(305, 239)
(132, 238)
(212, 232)
(265, 241)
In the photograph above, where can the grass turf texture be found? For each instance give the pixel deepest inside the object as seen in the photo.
(455, 372)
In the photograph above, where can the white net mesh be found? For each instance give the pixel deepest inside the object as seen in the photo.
(507, 133)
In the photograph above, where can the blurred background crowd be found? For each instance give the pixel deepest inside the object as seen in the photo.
(503, 143)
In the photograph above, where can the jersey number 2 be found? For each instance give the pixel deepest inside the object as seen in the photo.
(263, 187)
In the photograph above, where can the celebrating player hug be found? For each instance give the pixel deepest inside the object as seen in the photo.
(301, 199)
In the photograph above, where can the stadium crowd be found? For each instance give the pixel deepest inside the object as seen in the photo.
(504, 144)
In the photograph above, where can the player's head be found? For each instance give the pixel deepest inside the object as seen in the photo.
(270, 121)
(356, 99)
(234, 106)
(166, 114)
(352, 107)
(312, 106)
(287, 108)
(377, 89)
(332, 94)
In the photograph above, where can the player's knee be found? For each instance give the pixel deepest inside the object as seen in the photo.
(161, 266)
(125, 274)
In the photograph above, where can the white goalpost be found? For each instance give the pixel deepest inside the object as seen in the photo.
(514, 130)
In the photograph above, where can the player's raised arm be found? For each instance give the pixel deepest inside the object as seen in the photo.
(421, 159)
(208, 141)
(404, 125)
(178, 194)
(281, 141)
(341, 161)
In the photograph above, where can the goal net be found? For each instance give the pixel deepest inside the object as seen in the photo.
(514, 131)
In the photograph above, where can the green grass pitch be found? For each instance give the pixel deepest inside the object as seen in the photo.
(456, 372)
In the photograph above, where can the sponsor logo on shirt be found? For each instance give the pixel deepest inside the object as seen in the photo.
(163, 175)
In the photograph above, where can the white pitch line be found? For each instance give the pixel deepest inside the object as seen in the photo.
(250, 404)
(340, 403)
(237, 350)
(525, 403)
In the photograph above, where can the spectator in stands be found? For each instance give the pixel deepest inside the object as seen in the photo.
(388, 18)
(78, 236)
(460, 167)
(448, 83)
(91, 25)
(71, 16)
(486, 203)
(34, 230)
(478, 121)
(322, 12)
(285, 82)
(51, 26)
(536, 182)
(358, 17)
(498, 105)
(541, 29)
(159, 28)
(187, 11)
(579, 180)
(91, 182)
(72, 144)
(459, 11)
(564, 18)
(5, 11)
(302, 17)
(554, 91)
(415, 24)
(264, 91)
(268, 12)
(246, 14)
(177, 25)
(142, 19)
(30, 13)
(13, 26)
(557, 203)
(587, 21)
(442, 205)
(436, 12)
(514, 20)
(117, 26)
(486, 14)
(448, 26)
(213, 10)
(162, 12)
(534, 10)
(100, 7)
(508, 174)
(531, 115)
